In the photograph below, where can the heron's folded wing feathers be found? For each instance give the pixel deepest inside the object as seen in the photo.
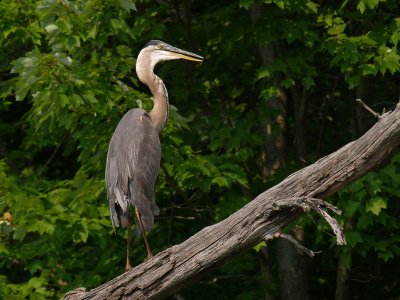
(133, 164)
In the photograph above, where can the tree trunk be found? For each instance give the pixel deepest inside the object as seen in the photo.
(342, 276)
(264, 217)
(343, 268)
(299, 110)
(358, 127)
(266, 274)
(293, 276)
(293, 279)
(273, 155)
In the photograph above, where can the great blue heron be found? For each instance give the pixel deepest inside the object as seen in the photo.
(133, 159)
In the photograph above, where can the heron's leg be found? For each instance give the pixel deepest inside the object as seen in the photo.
(138, 216)
(128, 244)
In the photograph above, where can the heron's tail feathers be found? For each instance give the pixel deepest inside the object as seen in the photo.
(119, 209)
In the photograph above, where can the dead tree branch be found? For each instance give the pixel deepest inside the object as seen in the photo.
(177, 266)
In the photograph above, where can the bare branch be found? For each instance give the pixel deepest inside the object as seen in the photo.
(298, 245)
(376, 115)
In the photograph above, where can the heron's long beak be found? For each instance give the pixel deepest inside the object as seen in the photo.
(179, 53)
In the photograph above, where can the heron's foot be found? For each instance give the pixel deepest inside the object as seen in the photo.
(149, 256)
(128, 267)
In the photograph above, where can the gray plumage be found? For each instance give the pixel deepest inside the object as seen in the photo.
(133, 163)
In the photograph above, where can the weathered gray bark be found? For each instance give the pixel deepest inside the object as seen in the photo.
(176, 267)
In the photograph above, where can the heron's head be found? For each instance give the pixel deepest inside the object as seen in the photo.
(155, 51)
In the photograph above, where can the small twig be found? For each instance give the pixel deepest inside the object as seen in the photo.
(376, 115)
(291, 239)
(298, 245)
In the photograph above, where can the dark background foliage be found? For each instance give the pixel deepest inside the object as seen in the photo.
(276, 92)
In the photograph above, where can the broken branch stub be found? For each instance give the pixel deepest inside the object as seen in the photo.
(318, 205)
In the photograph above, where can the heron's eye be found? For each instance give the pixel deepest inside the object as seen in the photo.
(160, 46)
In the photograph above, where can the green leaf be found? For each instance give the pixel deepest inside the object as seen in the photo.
(386, 255)
(361, 6)
(259, 246)
(357, 186)
(337, 29)
(81, 231)
(312, 6)
(353, 238)
(279, 3)
(220, 181)
(245, 3)
(73, 41)
(20, 232)
(263, 72)
(288, 82)
(5, 228)
(307, 82)
(51, 28)
(41, 226)
(364, 221)
(127, 5)
(351, 208)
(375, 205)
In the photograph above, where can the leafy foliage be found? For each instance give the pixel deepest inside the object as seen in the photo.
(67, 77)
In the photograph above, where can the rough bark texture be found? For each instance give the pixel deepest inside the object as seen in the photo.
(177, 266)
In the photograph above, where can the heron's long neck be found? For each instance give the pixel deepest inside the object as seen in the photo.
(159, 113)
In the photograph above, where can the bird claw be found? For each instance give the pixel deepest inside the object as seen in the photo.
(128, 267)
(149, 256)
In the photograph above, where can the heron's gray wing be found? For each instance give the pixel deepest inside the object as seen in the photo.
(145, 174)
(133, 164)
